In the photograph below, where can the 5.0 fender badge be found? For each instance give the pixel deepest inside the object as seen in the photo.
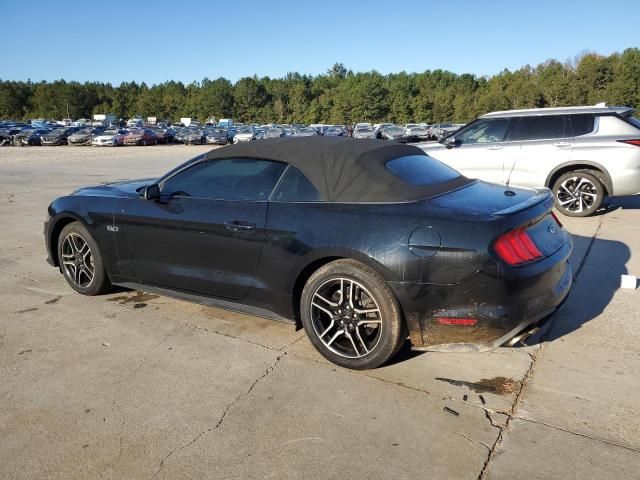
(112, 228)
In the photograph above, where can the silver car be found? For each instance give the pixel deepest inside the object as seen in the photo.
(583, 154)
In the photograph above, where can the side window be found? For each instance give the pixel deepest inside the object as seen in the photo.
(484, 131)
(540, 128)
(582, 124)
(226, 179)
(295, 187)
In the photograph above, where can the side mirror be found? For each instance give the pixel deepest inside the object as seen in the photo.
(151, 192)
(451, 142)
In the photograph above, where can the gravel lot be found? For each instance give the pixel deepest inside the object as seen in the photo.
(131, 385)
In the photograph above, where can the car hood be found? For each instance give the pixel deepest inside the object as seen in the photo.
(115, 189)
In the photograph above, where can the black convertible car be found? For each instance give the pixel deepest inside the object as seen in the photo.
(365, 242)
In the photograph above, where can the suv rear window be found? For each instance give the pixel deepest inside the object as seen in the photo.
(582, 124)
(421, 170)
(540, 128)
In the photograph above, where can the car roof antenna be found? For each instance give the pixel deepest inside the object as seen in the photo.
(507, 192)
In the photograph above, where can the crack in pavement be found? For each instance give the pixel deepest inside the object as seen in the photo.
(115, 404)
(222, 417)
(584, 435)
(499, 439)
(534, 358)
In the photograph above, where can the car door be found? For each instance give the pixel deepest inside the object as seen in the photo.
(206, 231)
(480, 150)
(546, 141)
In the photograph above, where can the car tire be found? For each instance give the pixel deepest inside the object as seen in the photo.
(84, 268)
(361, 332)
(144, 143)
(578, 193)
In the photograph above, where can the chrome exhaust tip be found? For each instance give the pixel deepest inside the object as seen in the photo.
(520, 338)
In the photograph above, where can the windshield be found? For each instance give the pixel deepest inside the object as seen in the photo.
(59, 131)
(110, 132)
(393, 130)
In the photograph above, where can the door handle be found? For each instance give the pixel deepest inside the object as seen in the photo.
(494, 147)
(561, 144)
(238, 226)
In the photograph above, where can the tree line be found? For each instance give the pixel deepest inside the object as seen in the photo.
(340, 96)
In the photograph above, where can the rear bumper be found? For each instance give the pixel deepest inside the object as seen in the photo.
(503, 301)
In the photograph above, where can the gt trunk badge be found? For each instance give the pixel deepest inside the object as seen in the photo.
(112, 228)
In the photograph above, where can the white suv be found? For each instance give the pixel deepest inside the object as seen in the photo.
(584, 154)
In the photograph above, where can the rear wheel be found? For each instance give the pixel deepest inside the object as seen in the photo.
(351, 315)
(578, 193)
(80, 260)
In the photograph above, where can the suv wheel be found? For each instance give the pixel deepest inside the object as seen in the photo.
(578, 194)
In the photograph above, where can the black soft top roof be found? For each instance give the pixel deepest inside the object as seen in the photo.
(342, 169)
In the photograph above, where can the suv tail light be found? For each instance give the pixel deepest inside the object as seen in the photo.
(635, 141)
(516, 247)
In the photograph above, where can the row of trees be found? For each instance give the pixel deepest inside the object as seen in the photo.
(340, 95)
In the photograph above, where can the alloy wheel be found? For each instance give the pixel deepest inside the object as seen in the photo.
(346, 318)
(577, 194)
(77, 260)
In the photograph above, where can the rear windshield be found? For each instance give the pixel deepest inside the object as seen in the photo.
(421, 170)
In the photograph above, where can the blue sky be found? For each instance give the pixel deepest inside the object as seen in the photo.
(155, 41)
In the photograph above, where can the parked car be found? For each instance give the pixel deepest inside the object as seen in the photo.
(84, 136)
(379, 126)
(244, 134)
(441, 130)
(218, 136)
(195, 137)
(274, 132)
(472, 268)
(393, 133)
(305, 132)
(583, 154)
(260, 132)
(58, 136)
(30, 137)
(110, 137)
(416, 133)
(333, 131)
(163, 136)
(140, 137)
(364, 131)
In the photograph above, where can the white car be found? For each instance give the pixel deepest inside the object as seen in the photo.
(364, 131)
(111, 138)
(583, 154)
(244, 135)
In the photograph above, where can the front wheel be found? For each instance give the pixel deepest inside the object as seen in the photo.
(578, 194)
(351, 315)
(80, 260)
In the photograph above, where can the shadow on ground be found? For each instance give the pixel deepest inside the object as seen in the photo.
(596, 279)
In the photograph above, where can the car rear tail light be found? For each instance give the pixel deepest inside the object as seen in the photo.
(635, 142)
(516, 247)
(456, 321)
